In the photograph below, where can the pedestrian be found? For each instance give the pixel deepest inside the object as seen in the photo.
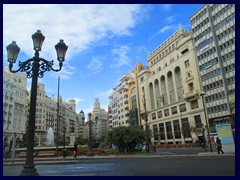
(219, 145)
(75, 149)
(154, 146)
(6, 150)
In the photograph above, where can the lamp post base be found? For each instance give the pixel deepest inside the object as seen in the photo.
(29, 170)
(90, 153)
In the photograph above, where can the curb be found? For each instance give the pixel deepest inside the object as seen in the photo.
(72, 160)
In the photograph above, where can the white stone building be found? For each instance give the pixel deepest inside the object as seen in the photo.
(46, 117)
(171, 87)
(14, 104)
(100, 121)
(81, 127)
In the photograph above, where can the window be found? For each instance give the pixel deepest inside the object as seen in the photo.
(184, 51)
(159, 113)
(166, 112)
(161, 131)
(134, 102)
(186, 63)
(185, 128)
(153, 116)
(194, 104)
(198, 122)
(155, 132)
(169, 130)
(176, 128)
(174, 110)
(182, 107)
(190, 87)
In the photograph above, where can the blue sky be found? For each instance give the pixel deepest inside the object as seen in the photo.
(104, 42)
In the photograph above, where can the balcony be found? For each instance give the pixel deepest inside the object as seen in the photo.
(191, 95)
(189, 78)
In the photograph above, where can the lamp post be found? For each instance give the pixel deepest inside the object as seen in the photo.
(209, 140)
(90, 153)
(58, 117)
(34, 68)
(204, 140)
(182, 133)
(96, 130)
(146, 127)
(64, 134)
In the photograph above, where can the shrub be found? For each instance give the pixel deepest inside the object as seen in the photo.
(112, 152)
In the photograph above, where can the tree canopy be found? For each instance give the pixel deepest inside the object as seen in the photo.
(126, 137)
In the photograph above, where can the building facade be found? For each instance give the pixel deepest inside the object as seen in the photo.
(119, 101)
(133, 94)
(100, 121)
(46, 117)
(170, 87)
(14, 104)
(114, 109)
(213, 29)
(81, 127)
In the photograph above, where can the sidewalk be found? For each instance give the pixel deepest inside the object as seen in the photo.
(72, 160)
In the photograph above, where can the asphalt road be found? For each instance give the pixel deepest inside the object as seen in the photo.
(147, 166)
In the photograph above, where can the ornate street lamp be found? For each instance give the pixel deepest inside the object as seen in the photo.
(34, 68)
(145, 118)
(90, 153)
(209, 140)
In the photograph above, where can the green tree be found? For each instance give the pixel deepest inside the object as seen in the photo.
(81, 141)
(125, 138)
(188, 131)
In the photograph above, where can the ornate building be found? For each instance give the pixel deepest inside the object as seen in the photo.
(100, 121)
(171, 87)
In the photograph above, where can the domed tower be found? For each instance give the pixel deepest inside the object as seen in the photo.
(139, 67)
(81, 117)
(96, 104)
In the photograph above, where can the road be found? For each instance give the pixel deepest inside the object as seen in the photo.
(144, 166)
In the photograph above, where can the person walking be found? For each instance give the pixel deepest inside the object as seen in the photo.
(75, 149)
(219, 145)
(6, 150)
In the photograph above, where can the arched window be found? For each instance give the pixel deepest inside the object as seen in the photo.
(179, 85)
(157, 93)
(151, 96)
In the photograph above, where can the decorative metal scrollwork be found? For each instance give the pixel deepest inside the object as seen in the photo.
(42, 65)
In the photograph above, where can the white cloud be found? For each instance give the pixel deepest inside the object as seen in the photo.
(164, 29)
(170, 19)
(105, 94)
(77, 100)
(80, 25)
(95, 65)
(120, 57)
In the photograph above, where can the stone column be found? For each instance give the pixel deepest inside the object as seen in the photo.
(72, 139)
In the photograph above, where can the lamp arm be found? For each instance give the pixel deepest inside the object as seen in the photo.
(45, 65)
(25, 66)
